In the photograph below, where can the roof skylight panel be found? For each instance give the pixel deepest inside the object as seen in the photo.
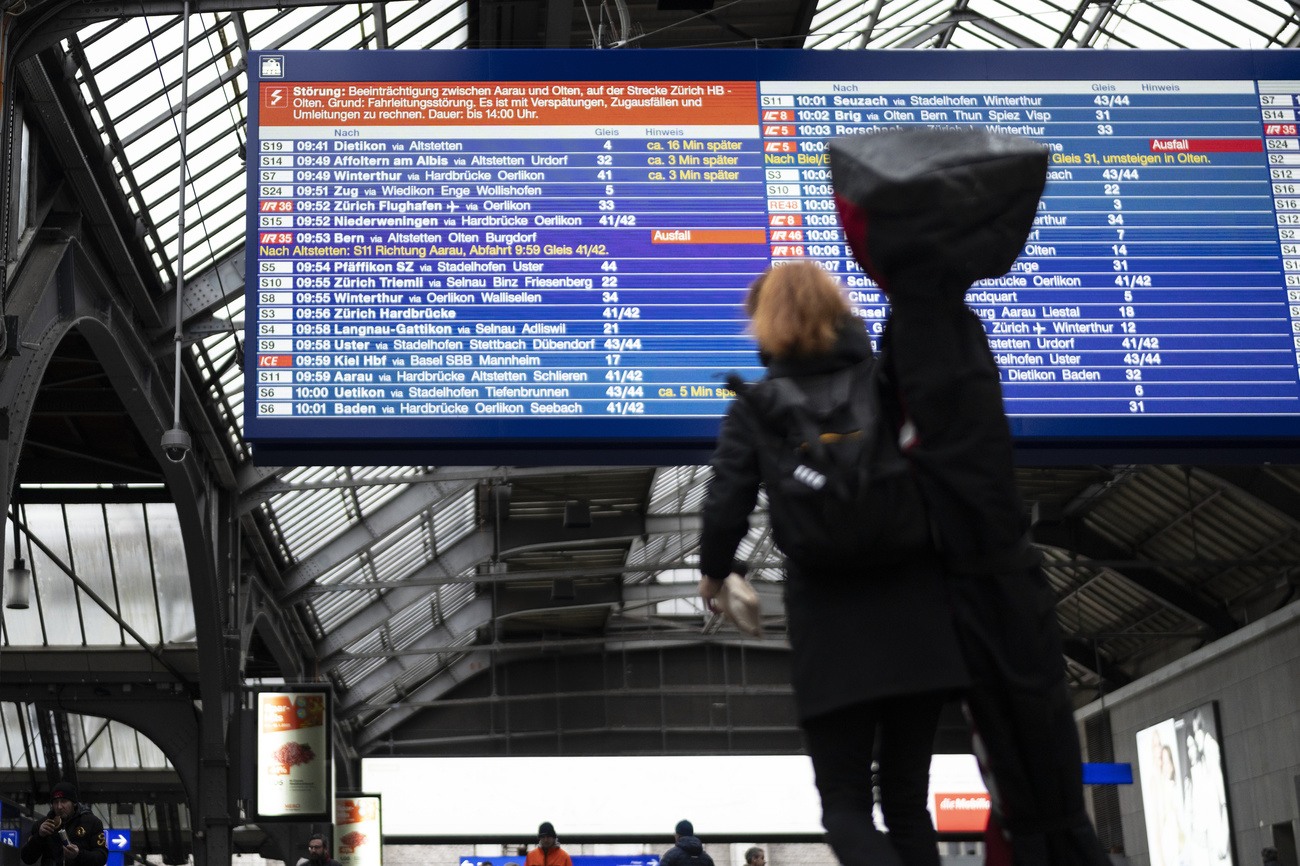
(96, 741)
(454, 596)
(353, 672)
(1157, 22)
(172, 574)
(411, 552)
(332, 609)
(151, 756)
(309, 518)
(455, 519)
(129, 547)
(411, 22)
(54, 598)
(373, 497)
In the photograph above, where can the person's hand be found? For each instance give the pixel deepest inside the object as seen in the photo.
(709, 589)
(47, 827)
(70, 852)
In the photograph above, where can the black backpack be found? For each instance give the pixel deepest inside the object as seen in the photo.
(840, 492)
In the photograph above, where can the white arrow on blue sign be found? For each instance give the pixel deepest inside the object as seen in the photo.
(9, 837)
(118, 840)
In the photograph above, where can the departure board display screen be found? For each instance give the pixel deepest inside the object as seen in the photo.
(546, 253)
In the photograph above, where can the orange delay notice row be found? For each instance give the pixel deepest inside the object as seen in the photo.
(709, 236)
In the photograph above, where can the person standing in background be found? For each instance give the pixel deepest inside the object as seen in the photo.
(755, 857)
(70, 833)
(547, 852)
(687, 850)
(318, 852)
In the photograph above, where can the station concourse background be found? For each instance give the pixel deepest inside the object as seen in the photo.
(484, 610)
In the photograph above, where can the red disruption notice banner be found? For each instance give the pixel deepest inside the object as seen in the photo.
(511, 103)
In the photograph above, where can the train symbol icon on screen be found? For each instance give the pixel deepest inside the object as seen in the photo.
(272, 66)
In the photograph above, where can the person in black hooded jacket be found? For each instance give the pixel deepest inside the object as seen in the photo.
(85, 845)
(873, 647)
(688, 850)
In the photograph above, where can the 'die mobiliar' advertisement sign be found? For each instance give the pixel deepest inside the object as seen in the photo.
(293, 763)
(358, 831)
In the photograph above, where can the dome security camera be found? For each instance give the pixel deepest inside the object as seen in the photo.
(176, 444)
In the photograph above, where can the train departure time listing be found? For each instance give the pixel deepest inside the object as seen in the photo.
(481, 251)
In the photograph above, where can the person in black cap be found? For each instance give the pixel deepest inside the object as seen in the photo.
(688, 850)
(70, 833)
(1271, 857)
(547, 852)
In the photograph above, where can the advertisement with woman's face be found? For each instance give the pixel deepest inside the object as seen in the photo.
(1184, 797)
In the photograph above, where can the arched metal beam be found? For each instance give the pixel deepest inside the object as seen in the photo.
(61, 288)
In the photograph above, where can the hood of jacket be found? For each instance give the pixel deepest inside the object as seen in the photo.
(691, 845)
(852, 345)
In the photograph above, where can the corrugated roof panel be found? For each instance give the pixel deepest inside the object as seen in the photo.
(455, 519)
(332, 609)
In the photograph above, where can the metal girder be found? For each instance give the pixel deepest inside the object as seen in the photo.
(223, 78)
(476, 548)
(45, 104)
(119, 785)
(258, 484)
(632, 596)
(615, 692)
(1004, 33)
(515, 576)
(372, 736)
(108, 666)
(468, 665)
(1085, 654)
(480, 612)
(218, 285)
(1264, 484)
(425, 742)
(1075, 535)
(463, 555)
(1094, 27)
(1075, 17)
(372, 528)
(956, 18)
(461, 622)
(614, 641)
(77, 16)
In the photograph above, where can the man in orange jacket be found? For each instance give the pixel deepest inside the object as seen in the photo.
(547, 853)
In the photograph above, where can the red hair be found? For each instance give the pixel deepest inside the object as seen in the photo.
(794, 310)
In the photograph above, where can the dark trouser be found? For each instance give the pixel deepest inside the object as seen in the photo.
(841, 744)
(1004, 611)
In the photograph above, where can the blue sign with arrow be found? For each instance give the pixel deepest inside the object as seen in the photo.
(118, 840)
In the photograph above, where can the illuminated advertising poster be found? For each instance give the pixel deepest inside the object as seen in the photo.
(1184, 797)
(358, 834)
(293, 760)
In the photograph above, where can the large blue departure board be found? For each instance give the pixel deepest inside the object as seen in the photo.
(541, 256)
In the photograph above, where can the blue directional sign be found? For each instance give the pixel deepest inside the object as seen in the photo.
(9, 837)
(118, 840)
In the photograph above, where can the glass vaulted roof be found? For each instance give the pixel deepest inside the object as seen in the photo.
(129, 71)
(98, 573)
(330, 528)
